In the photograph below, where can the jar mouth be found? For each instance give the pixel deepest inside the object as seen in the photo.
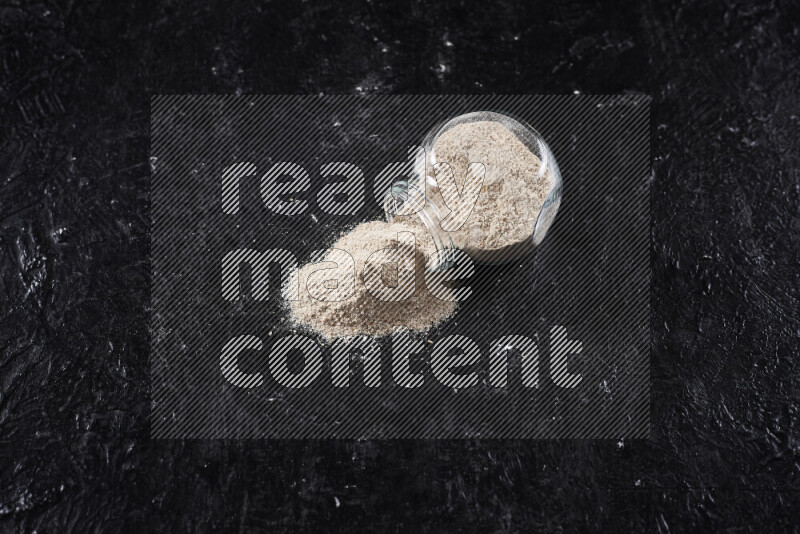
(404, 199)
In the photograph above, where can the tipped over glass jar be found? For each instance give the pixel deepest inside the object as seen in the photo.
(486, 184)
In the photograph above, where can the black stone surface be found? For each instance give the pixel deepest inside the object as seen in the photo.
(75, 85)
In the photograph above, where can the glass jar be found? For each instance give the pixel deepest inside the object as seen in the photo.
(528, 203)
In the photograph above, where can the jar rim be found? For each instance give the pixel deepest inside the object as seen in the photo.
(414, 200)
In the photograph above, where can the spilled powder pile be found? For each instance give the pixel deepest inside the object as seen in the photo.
(339, 301)
(336, 301)
(515, 185)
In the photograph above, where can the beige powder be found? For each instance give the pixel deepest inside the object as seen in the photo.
(514, 189)
(362, 313)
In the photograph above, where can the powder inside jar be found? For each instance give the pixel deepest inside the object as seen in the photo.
(346, 307)
(515, 185)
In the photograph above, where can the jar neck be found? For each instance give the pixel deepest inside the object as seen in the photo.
(408, 200)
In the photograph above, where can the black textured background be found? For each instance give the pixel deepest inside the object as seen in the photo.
(591, 275)
(75, 85)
